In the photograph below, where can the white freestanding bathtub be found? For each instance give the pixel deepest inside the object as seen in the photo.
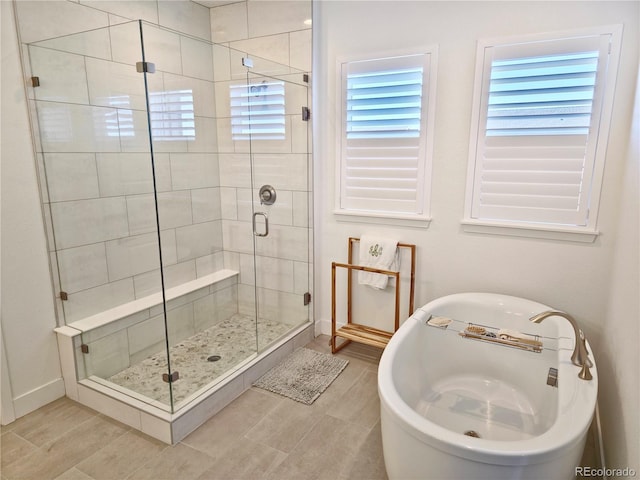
(438, 388)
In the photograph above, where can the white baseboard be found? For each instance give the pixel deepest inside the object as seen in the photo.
(30, 401)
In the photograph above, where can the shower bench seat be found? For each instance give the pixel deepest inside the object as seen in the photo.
(130, 308)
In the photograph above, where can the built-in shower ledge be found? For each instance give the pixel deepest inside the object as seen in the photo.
(135, 306)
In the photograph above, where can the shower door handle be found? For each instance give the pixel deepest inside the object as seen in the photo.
(266, 225)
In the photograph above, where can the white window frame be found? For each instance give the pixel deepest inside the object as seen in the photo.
(583, 233)
(420, 219)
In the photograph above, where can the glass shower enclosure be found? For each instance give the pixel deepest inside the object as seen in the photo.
(175, 182)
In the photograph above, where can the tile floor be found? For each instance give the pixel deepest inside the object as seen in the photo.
(260, 435)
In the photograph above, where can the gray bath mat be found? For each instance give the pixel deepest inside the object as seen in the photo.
(303, 375)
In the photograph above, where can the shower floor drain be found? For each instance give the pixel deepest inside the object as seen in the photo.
(472, 433)
(213, 358)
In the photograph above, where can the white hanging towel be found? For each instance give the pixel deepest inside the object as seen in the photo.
(377, 252)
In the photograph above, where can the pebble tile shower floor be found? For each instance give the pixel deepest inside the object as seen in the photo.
(233, 340)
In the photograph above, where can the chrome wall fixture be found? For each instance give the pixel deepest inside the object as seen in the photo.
(267, 195)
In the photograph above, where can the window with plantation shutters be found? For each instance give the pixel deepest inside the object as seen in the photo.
(539, 130)
(257, 110)
(385, 137)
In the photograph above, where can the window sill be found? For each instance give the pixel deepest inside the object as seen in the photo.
(568, 234)
(382, 219)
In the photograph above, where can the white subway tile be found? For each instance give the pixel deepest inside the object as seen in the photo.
(114, 84)
(274, 48)
(301, 277)
(281, 212)
(39, 20)
(287, 172)
(133, 128)
(229, 22)
(176, 274)
(82, 222)
(108, 356)
(146, 334)
(272, 273)
(131, 9)
(221, 63)
(197, 58)
(131, 173)
(71, 176)
(300, 50)
(174, 209)
(130, 256)
(204, 103)
(285, 242)
(185, 16)
(214, 308)
(180, 323)
(179, 273)
(141, 214)
(228, 203)
(300, 134)
(89, 302)
(198, 240)
(235, 170)
(82, 267)
(162, 48)
(77, 128)
(209, 264)
(282, 307)
(238, 237)
(301, 209)
(62, 76)
(126, 46)
(267, 18)
(194, 170)
(205, 204)
(244, 203)
(206, 136)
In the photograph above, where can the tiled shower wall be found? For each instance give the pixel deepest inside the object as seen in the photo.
(279, 31)
(203, 184)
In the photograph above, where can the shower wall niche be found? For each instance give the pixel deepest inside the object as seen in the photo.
(152, 146)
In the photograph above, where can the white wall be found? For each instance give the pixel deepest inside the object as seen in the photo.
(619, 357)
(570, 276)
(28, 316)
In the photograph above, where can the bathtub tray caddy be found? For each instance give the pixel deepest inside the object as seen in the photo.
(356, 332)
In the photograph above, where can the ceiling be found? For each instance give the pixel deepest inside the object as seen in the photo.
(216, 3)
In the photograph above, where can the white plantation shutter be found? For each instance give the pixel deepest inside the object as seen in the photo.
(538, 128)
(257, 110)
(383, 137)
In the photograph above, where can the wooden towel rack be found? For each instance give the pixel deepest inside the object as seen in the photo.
(361, 333)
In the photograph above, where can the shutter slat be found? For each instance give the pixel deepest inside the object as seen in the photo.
(534, 201)
(384, 104)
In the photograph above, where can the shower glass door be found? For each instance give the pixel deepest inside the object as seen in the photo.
(277, 122)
